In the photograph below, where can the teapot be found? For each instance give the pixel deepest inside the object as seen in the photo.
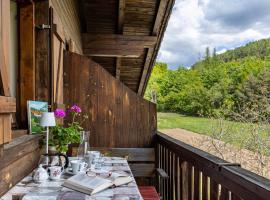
(40, 174)
(54, 159)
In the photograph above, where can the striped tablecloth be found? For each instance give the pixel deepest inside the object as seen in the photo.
(27, 189)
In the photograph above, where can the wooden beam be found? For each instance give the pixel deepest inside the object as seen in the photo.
(160, 17)
(107, 41)
(4, 76)
(27, 58)
(120, 27)
(42, 52)
(115, 45)
(121, 15)
(4, 47)
(118, 68)
(7, 105)
(99, 52)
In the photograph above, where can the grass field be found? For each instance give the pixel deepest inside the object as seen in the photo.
(236, 132)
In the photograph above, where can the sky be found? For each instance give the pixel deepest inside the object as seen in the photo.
(221, 24)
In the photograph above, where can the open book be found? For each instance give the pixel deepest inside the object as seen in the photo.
(94, 184)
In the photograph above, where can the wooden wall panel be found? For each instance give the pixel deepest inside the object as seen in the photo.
(42, 52)
(66, 17)
(27, 59)
(118, 117)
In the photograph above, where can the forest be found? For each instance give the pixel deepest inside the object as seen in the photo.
(233, 85)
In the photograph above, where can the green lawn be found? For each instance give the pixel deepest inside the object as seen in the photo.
(236, 132)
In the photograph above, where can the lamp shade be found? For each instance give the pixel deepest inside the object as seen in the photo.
(47, 119)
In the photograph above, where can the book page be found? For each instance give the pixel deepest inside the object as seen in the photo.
(86, 181)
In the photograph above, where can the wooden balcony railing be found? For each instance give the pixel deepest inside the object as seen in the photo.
(197, 175)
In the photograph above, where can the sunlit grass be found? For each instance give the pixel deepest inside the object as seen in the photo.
(236, 131)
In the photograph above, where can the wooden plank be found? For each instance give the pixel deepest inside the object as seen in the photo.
(178, 178)
(12, 174)
(113, 51)
(18, 133)
(58, 72)
(27, 58)
(132, 154)
(235, 197)
(7, 127)
(1, 150)
(205, 192)
(42, 89)
(118, 68)
(171, 186)
(102, 107)
(160, 16)
(214, 191)
(93, 107)
(2, 130)
(152, 121)
(224, 193)
(4, 77)
(142, 170)
(116, 45)
(145, 69)
(185, 180)
(166, 168)
(196, 191)
(118, 112)
(18, 148)
(142, 116)
(130, 125)
(4, 47)
(109, 41)
(121, 15)
(7, 104)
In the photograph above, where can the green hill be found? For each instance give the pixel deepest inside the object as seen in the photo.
(233, 84)
(257, 49)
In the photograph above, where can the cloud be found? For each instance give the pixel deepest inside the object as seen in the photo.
(221, 24)
(237, 14)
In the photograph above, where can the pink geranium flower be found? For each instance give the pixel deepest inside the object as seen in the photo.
(59, 113)
(75, 109)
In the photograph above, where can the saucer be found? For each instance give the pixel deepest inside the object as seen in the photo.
(69, 171)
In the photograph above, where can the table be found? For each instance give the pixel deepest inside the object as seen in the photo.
(27, 189)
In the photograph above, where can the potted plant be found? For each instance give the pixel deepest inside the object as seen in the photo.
(61, 136)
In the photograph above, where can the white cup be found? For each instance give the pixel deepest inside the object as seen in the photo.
(55, 172)
(78, 166)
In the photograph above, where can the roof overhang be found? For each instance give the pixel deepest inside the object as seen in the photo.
(124, 36)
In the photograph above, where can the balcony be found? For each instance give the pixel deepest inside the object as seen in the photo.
(102, 60)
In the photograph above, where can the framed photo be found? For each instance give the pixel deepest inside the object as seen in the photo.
(34, 111)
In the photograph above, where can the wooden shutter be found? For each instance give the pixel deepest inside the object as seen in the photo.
(7, 103)
(57, 59)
